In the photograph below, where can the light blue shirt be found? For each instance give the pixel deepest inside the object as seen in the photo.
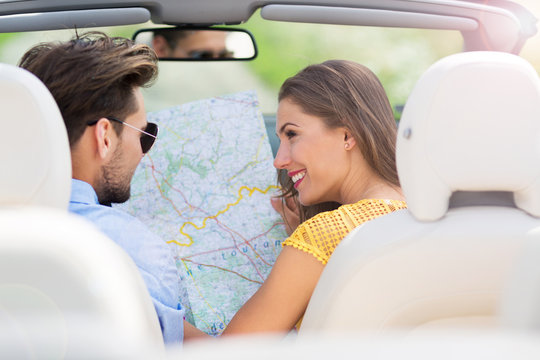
(151, 254)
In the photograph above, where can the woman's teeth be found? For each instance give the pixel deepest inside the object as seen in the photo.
(297, 177)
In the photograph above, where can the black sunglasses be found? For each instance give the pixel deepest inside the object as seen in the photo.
(148, 137)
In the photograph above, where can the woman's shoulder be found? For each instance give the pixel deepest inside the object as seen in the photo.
(389, 204)
(358, 212)
(368, 209)
(320, 234)
(385, 205)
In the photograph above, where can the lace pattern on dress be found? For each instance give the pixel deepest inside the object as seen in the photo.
(320, 235)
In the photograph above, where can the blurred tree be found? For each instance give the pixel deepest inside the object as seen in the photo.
(397, 56)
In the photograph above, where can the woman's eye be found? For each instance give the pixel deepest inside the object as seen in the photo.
(290, 133)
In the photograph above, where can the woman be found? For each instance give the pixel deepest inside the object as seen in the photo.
(337, 134)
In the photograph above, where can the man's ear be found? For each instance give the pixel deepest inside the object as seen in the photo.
(348, 140)
(102, 134)
(160, 46)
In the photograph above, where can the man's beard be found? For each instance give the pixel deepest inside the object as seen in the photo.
(115, 183)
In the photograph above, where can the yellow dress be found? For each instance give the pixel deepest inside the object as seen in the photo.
(320, 235)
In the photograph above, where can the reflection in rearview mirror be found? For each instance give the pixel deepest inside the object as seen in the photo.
(196, 44)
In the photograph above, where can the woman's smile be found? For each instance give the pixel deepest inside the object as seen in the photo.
(297, 176)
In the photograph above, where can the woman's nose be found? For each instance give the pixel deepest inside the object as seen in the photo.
(282, 159)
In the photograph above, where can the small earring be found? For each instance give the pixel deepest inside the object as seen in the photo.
(346, 145)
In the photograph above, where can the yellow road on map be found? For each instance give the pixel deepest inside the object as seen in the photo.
(240, 197)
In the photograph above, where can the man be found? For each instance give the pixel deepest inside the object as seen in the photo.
(96, 83)
(190, 44)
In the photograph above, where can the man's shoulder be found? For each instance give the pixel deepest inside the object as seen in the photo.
(98, 211)
(114, 222)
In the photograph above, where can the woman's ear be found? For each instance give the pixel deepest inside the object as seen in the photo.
(348, 140)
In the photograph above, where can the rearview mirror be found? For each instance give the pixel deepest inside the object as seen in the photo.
(199, 44)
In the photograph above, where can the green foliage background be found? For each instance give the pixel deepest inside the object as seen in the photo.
(5, 37)
(397, 56)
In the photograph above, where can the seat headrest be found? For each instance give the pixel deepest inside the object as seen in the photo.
(34, 151)
(472, 123)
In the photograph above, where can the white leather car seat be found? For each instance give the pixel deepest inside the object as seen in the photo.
(520, 304)
(468, 157)
(66, 290)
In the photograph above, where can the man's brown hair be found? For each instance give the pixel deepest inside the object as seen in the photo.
(92, 76)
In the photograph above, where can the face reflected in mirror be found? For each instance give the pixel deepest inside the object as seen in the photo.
(195, 44)
(199, 44)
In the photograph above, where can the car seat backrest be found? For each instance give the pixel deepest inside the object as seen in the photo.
(36, 163)
(480, 132)
(66, 289)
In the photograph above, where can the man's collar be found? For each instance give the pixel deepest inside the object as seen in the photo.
(82, 192)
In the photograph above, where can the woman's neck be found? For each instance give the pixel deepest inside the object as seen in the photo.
(369, 186)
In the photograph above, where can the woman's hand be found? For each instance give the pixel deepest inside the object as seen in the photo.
(288, 211)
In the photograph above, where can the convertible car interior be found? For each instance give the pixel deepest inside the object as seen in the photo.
(456, 275)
